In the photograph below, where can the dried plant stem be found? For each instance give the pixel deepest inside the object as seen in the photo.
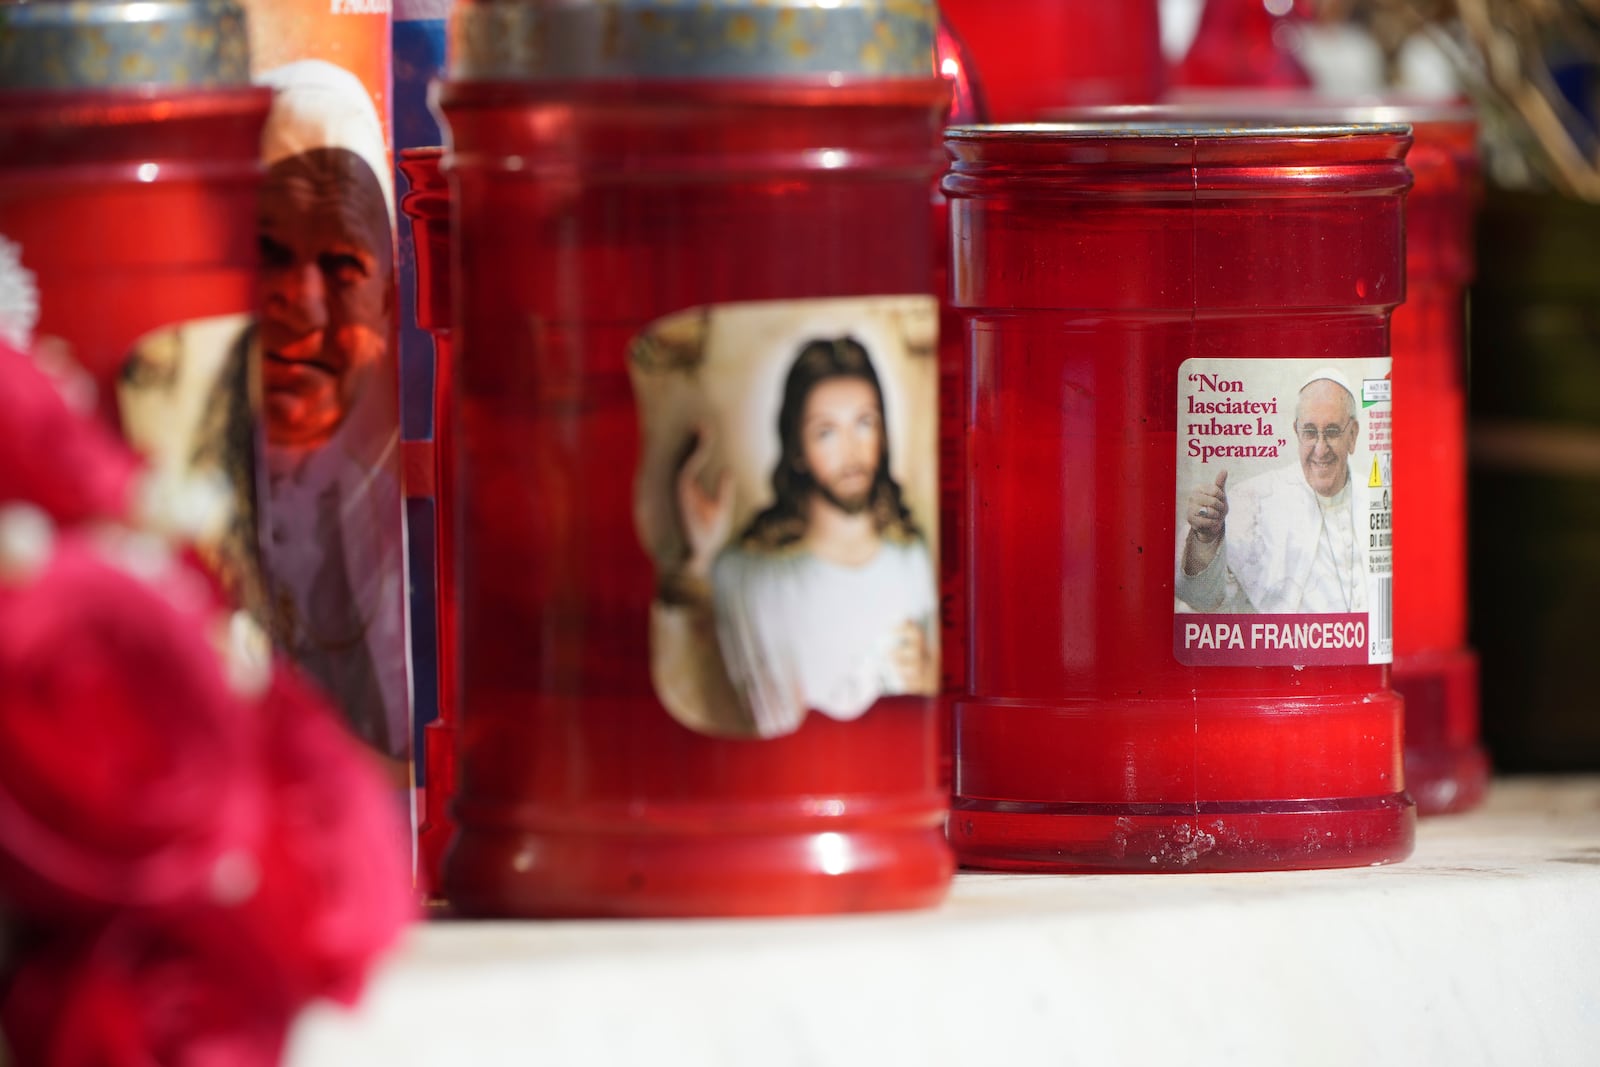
(1497, 47)
(1516, 73)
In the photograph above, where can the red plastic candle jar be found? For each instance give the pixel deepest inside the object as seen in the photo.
(129, 163)
(696, 457)
(1033, 55)
(428, 207)
(967, 108)
(1244, 43)
(1434, 668)
(1179, 462)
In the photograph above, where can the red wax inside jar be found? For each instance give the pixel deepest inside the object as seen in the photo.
(1093, 264)
(1033, 55)
(585, 213)
(428, 206)
(134, 209)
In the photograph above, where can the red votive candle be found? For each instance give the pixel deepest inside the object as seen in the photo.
(428, 207)
(129, 165)
(1435, 670)
(697, 450)
(1179, 464)
(1243, 43)
(967, 107)
(1033, 55)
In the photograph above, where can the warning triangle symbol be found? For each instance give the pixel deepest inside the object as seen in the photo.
(1377, 475)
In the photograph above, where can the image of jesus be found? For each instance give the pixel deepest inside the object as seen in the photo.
(825, 600)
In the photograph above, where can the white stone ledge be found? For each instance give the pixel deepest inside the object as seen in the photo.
(1483, 948)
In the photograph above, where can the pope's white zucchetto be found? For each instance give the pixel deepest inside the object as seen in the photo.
(1332, 374)
(316, 104)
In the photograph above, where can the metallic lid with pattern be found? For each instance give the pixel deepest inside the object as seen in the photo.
(103, 44)
(539, 40)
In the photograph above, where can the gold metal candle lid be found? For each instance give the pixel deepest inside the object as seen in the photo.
(539, 40)
(104, 44)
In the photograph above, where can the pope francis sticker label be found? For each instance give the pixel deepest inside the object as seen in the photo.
(1283, 512)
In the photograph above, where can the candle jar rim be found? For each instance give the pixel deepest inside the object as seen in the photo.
(1168, 130)
(1209, 109)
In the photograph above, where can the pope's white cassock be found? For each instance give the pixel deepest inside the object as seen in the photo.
(1285, 549)
(331, 548)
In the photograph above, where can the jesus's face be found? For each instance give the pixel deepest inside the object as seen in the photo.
(841, 437)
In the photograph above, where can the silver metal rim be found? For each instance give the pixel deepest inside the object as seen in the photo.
(1231, 109)
(1167, 131)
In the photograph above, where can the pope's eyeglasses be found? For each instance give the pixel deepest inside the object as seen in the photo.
(1329, 434)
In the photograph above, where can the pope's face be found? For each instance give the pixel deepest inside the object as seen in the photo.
(841, 434)
(1327, 435)
(323, 298)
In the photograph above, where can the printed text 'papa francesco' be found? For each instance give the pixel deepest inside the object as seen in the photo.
(1220, 424)
(1289, 635)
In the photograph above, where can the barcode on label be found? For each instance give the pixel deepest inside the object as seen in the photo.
(1380, 619)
